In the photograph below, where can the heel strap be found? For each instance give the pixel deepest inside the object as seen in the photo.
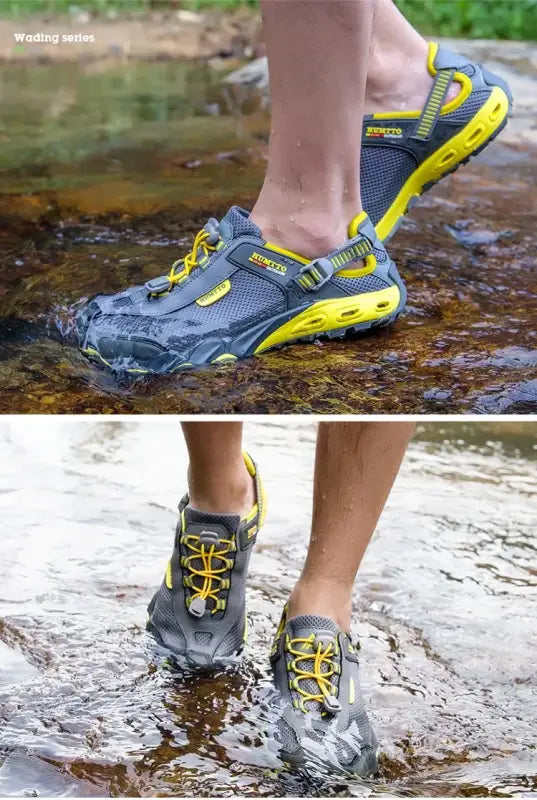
(317, 272)
(434, 103)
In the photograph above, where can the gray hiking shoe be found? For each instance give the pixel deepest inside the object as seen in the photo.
(236, 295)
(405, 153)
(199, 611)
(324, 720)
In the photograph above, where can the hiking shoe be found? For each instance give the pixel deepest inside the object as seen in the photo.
(315, 667)
(199, 612)
(235, 295)
(405, 153)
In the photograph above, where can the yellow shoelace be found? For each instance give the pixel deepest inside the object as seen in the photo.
(192, 259)
(320, 657)
(211, 574)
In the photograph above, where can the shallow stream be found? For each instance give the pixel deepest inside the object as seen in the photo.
(445, 605)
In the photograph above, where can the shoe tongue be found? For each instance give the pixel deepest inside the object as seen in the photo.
(305, 624)
(230, 522)
(237, 223)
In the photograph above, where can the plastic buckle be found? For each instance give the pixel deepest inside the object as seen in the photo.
(212, 226)
(315, 274)
(209, 538)
(323, 640)
(158, 285)
(197, 607)
(331, 704)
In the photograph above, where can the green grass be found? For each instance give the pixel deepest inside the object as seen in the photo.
(25, 7)
(475, 19)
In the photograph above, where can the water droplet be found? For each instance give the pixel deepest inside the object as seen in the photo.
(332, 189)
(298, 144)
(291, 219)
(345, 191)
(302, 202)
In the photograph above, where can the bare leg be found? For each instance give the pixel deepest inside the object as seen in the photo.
(218, 480)
(355, 466)
(397, 78)
(318, 53)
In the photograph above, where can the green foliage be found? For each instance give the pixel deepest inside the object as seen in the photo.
(475, 19)
(24, 7)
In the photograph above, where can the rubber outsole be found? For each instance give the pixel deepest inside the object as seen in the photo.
(175, 362)
(427, 185)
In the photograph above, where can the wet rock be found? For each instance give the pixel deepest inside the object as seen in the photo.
(470, 237)
(437, 395)
(254, 74)
(518, 399)
(514, 357)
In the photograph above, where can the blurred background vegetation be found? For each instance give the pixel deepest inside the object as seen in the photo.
(476, 19)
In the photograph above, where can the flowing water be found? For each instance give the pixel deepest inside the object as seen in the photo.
(445, 605)
(107, 170)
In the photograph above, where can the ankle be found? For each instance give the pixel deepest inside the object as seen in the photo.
(325, 598)
(232, 493)
(310, 226)
(299, 234)
(400, 81)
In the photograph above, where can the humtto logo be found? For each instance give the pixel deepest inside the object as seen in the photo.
(384, 133)
(267, 263)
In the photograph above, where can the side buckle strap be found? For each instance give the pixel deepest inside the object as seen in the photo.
(316, 273)
(434, 104)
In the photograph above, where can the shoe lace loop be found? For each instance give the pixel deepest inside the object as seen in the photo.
(206, 242)
(322, 654)
(206, 566)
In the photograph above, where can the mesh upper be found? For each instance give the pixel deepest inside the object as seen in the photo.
(240, 224)
(380, 255)
(164, 620)
(287, 736)
(470, 107)
(311, 621)
(249, 294)
(250, 299)
(369, 283)
(203, 637)
(232, 641)
(383, 171)
(468, 69)
(122, 302)
(229, 521)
